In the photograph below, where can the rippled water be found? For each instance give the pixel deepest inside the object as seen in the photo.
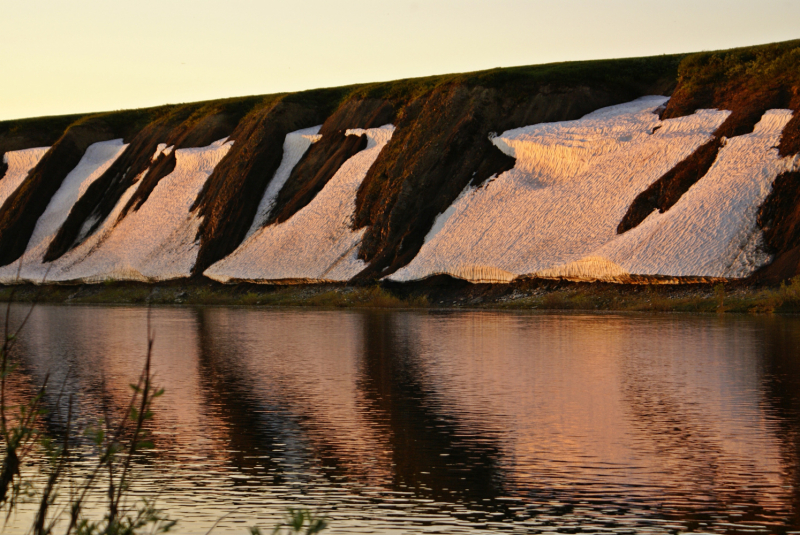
(447, 422)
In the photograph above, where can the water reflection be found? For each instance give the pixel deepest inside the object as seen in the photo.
(447, 421)
(432, 454)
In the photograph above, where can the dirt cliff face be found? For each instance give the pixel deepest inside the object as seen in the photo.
(441, 145)
(191, 125)
(22, 134)
(313, 171)
(25, 134)
(790, 139)
(229, 200)
(324, 158)
(23, 208)
(779, 218)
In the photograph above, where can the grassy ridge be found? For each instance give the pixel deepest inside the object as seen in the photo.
(41, 131)
(698, 73)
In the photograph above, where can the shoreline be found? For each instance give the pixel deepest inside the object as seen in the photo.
(440, 292)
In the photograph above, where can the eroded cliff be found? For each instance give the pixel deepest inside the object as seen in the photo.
(672, 167)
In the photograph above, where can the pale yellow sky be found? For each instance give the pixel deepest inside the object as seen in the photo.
(59, 56)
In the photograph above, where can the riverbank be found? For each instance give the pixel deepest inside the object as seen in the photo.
(435, 292)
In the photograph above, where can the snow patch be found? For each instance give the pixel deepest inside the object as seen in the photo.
(294, 147)
(20, 163)
(318, 242)
(159, 240)
(572, 184)
(95, 161)
(162, 149)
(711, 231)
(441, 219)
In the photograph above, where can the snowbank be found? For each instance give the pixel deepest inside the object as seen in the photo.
(95, 161)
(711, 231)
(317, 243)
(571, 186)
(294, 147)
(155, 242)
(19, 162)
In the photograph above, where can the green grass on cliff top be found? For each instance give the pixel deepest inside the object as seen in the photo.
(777, 61)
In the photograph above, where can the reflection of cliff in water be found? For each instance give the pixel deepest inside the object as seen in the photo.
(432, 454)
(258, 429)
(781, 391)
(73, 358)
(605, 421)
(286, 390)
(703, 431)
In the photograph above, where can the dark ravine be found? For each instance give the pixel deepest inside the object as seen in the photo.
(779, 218)
(229, 200)
(313, 172)
(324, 158)
(790, 139)
(666, 191)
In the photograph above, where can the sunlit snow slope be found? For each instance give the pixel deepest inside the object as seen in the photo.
(294, 147)
(155, 242)
(97, 158)
(556, 213)
(19, 162)
(158, 240)
(317, 243)
(711, 231)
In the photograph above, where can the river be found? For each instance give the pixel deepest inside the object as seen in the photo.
(441, 421)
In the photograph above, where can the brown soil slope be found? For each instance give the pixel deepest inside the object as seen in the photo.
(326, 156)
(229, 200)
(22, 134)
(313, 171)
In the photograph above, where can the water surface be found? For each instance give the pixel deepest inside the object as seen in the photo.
(446, 422)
